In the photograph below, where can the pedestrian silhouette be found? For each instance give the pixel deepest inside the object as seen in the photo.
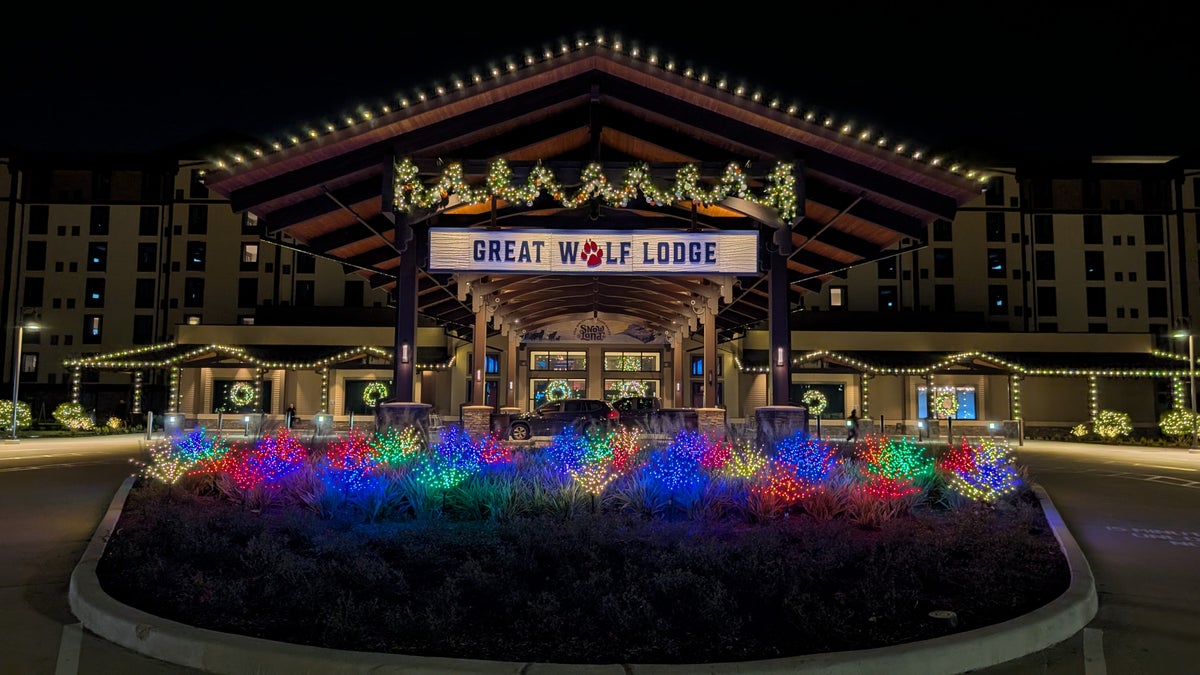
(852, 426)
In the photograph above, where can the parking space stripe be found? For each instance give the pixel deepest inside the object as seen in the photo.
(68, 650)
(1093, 652)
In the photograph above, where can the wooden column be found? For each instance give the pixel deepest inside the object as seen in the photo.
(510, 385)
(778, 333)
(678, 395)
(479, 343)
(406, 315)
(710, 356)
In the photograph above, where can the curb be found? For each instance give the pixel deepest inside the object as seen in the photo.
(231, 654)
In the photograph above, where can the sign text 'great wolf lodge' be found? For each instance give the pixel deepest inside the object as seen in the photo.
(593, 251)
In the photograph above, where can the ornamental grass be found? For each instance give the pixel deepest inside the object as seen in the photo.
(595, 549)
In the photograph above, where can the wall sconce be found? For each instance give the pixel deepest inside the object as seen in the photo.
(510, 385)
(478, 375)
(404, 352)
(710, 377)
(678, 386)
(779, 357)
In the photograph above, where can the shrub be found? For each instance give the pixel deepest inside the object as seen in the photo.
(72, 416)
(24, 418)
(1111, 424)
(1177, 423)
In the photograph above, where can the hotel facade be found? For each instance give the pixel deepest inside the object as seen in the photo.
(1027, 297)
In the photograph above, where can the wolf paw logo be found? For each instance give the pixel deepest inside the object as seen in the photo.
(591, 253)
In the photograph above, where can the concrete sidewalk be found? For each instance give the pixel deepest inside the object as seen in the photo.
(217, 652)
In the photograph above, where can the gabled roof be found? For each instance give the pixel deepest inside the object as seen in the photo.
(329, 187)
(272, 357)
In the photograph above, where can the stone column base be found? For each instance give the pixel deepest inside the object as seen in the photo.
(777, 422)
(402, 414)
(712, 421)
(477, 420)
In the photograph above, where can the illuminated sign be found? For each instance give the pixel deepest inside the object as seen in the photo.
(593, 251)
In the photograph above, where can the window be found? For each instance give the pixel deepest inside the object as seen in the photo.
(246, 319)
(632, 362)
(995, 226)
(1093, 230)
(1133, 312)
(97, 256)
(1133, 276)
(148, 221)
(998, 300)
(837, 297)
(143, 329)
(93, 292)
(491, 364)
(39, 219)
(994, 192)
(247, 292)
(147, 257)
(192, 319)
(1120, 312)
(1154, 230)
(93, 332)
(1116, 240)
(1097, 301)
(34, 290)
(1043, 229)
(1047, 300)
(557, 360)
(964, 395)
(886, 269)
(997, 263)
(35, 256)
(889, 300)
(943, 262)
(1118, 276)
(539, 387)
(29, 366)
(193, 292)
(195, 256)
(305, 263)
(698, 366)
(143, 294)
(1131, 240)
(943, 297)
(249, 257)
(941, 230)
(1093, 265)
(197, 219)
(1156, 266)
(305, 294)
(1156, 302)
(196, 187)
(98, 223)
(249, 223)
(352, 293)
(1044, 264)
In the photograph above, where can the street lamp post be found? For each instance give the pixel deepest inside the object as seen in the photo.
(1191, 376)
(16, 373)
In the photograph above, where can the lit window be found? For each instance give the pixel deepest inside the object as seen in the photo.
(250, 253)
(192, 319)
(837, 296)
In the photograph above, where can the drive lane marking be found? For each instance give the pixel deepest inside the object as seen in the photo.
(68, 650)
(1093, 652)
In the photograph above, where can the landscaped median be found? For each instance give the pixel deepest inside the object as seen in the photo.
(820, 559)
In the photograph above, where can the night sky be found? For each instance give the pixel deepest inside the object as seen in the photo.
(985, 82)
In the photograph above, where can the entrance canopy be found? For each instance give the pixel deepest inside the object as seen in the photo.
(589, 113)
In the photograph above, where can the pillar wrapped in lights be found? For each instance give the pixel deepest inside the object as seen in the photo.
(173, 392)
(1178, 395)
(137, 393)
(76, 378)
(866, 395)
(258, 377)
(325, 390)
(1014, 388)
(1093, 397)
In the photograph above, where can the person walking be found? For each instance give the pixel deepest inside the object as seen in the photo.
(291, 414)
(852, 426)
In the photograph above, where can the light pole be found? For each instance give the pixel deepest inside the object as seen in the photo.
(1191, 376)
(22, 324)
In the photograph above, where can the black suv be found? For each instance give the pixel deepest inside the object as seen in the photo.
(551, 418)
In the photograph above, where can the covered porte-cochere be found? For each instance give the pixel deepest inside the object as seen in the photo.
(590, 191)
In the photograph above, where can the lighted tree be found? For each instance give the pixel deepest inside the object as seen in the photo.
(24, 418)
(1178, 422)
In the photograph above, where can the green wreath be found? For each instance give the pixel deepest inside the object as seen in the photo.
(557, 390)
(815, 401)
(373, 393)
(241, 393)
(945, 403)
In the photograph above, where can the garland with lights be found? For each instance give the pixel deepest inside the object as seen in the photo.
(815, 401)
(945, 403)
(557, 390)
(374, 393)
(780, 193)
(241, 394)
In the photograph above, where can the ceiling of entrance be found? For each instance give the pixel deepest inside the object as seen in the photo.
(327, 190)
